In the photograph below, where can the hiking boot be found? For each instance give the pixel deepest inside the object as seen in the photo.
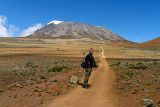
(85, 86)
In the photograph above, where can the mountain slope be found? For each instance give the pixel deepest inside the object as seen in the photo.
(149, 45)
(75, 30)
(154, 42)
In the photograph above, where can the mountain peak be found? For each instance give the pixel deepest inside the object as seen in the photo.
(75, 30)
(55, 22)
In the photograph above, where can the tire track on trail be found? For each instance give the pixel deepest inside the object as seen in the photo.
(100, 94)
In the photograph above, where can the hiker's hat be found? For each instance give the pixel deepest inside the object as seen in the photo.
(91, 49)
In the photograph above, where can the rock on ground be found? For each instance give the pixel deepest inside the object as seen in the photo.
(74, 80)
(147, 102)
(29, 82)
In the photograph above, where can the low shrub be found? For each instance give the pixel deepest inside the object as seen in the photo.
(130, 73)
(57, 68)
(117, 63)
(138, 65)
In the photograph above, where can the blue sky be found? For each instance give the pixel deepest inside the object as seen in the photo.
(135, 20)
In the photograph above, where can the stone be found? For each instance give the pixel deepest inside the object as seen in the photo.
(29, 82)
(37, 90)
(19, 85)
(54, 80)
(1, 90)
(11, 85)
(148, 102)
(30, 94)
(74, 80)
(157, 89)
(55, 93)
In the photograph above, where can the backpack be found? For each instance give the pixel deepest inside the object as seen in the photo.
(88, 62)
(83, 64)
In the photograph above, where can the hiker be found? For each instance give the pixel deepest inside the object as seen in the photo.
(88, 64)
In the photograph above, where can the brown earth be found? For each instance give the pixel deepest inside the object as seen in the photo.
(38, 93)
(100, 93)
(137, 79)
(54, 87)
(22, 61)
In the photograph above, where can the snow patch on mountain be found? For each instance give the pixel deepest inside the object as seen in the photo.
(55, 22)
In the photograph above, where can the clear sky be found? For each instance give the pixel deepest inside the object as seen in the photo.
(135, 20)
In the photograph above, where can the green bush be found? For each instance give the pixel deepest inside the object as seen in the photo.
(117, 63)
(126, 64)
(138, 65)
(131, 66)
(57, 68)
(130, 73)
(30, 65)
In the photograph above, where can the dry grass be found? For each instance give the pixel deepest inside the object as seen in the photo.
(121, 52)
(22, 59)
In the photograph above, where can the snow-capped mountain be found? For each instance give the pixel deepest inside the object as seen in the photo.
(74, 30)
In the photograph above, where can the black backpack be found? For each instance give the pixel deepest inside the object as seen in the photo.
(83, 64)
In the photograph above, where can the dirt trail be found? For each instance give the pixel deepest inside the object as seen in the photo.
(100, 94)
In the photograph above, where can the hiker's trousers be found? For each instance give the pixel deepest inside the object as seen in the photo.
(87, 75)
